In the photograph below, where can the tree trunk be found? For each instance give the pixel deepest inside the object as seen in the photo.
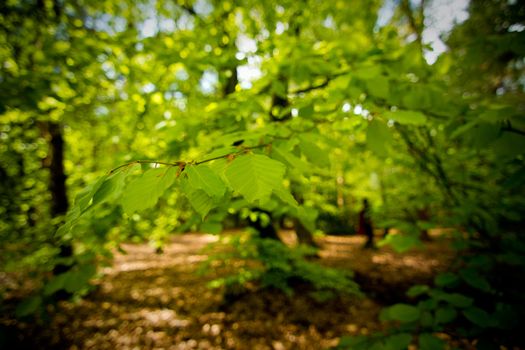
(265, 230)
(57, 178)
(57, 184)
(304, 236)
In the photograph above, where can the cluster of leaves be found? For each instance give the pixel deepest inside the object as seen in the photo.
(253, 175)
(75, 282)
(272, 264)
(467, 304)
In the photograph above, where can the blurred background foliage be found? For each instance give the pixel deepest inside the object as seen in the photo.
(351, 97)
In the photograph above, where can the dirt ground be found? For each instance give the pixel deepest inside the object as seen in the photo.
(159, 301)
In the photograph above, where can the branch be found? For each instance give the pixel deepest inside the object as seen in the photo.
(423, 159)
(509, 128)
(312, 87)
(320, 85)
(181, 164)
(416, 27)
(145, 162)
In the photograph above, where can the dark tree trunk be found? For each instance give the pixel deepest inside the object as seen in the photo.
(57, 184)
(266, 230)
(304, 236)
(424, 216)
(232, 82)
(57, 178)
(365, 225)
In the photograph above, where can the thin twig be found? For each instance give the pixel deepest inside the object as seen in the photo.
(182, 163)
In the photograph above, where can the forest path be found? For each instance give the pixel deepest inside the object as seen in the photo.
(159, 301)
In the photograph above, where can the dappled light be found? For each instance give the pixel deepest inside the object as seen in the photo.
(170, 306)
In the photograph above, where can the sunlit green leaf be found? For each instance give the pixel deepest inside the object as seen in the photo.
(200, 201)
(378, 86)
(378, 137)
(202, 177)
(255, 176)
(144, 191)
(314, 153)
(406, 117)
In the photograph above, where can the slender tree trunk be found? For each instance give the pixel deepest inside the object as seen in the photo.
(304, 236)
(423, 215)
(57, 183)
(57, 178)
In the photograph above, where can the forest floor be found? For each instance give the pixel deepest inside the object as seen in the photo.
(159, 301)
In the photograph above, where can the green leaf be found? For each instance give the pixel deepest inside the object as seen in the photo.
(454, 299)
(202, 177)
(55, 284)
(307, 111)
(76, 280)
(144, 191)
(83, 199)
(211, 227)
(473, 278)
(399, 341)
(200, 201)
(509, 145)
(314, 153)
(111, 186)
(401, 312)
(446, 279)
(378, 137)
(478, 316)
(497, 114)
(255, 176)
(295, 162)
(366, 73)
(229, 139)
(445, 315)
(417, 98)
(167, 178)
(483, 134)
(378, 86)
(426, 319)
(28, 306)
(220, 152)
(407, 117)
(417, 290)
(401, 242)
(354, 342)
(307, 216)
(429, 342)
(285, 195)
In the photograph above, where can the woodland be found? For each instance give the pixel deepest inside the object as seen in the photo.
(281, 174)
